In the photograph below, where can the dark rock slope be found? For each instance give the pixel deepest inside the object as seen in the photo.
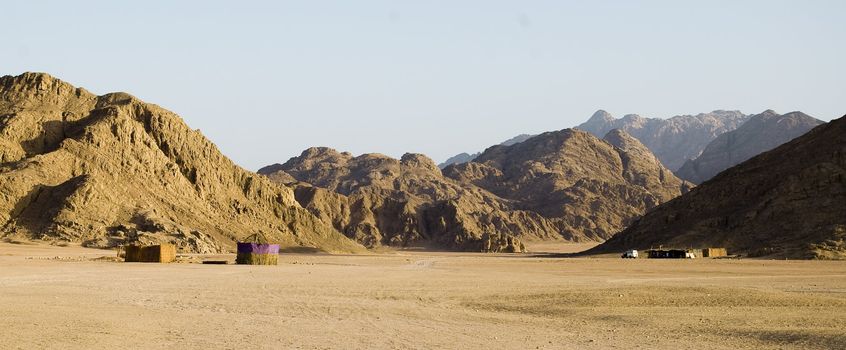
(787, 202)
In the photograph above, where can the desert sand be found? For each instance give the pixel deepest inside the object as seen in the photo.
(72, 297)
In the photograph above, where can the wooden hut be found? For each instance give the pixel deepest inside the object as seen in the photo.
(160, 253)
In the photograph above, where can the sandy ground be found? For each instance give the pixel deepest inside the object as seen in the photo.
(52, 297)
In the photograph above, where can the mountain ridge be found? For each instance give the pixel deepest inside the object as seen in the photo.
(762, 132)
(111, 169)
(673, 140)
(410, 201)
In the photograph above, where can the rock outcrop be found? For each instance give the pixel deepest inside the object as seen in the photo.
(107, 170)
(673, 140)
(787, 202)
(759, 134)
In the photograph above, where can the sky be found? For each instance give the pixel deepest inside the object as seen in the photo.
(265, 80)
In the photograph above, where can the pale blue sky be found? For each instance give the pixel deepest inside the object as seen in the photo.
(265, 80)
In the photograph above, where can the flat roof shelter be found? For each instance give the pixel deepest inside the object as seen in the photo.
(714, 252)
(667, 254)
(159, 253)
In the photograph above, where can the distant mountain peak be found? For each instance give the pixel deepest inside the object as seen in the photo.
(601, 115)
(672, 140)
(761, 133)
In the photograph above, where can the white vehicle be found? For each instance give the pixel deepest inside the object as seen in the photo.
(630, 254)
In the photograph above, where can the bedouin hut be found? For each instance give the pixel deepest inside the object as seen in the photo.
(714, 252)
(668, 254)
(159, 253)
(256, 250)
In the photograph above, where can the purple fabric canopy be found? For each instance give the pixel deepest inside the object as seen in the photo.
(256, 248)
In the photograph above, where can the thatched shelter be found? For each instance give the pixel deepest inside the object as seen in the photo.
(257, 251)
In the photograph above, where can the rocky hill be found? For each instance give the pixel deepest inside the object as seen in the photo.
(106, 170)
(466, 157)
(673, 140)
(586, 185)
(379, 200)
(787, 202)
(761, 133)
(564, 185)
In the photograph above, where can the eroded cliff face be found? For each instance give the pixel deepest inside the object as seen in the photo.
(787, 202)
(673, 140)
(565, 185)
(761, 133)
(105, 170)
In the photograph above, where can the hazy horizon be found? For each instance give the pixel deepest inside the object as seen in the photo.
(266, 80)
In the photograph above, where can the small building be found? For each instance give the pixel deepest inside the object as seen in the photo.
(669, 254)
(255, 250)
(160, 253)
(257, 254)
(714, 252)
(694, 252)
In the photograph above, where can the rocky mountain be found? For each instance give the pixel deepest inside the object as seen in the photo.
(584, 184)
(106, 170)
(787, 202)
(673, 140)
(760, 133)
(466, 157)
(565, 185)
(378, 200)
